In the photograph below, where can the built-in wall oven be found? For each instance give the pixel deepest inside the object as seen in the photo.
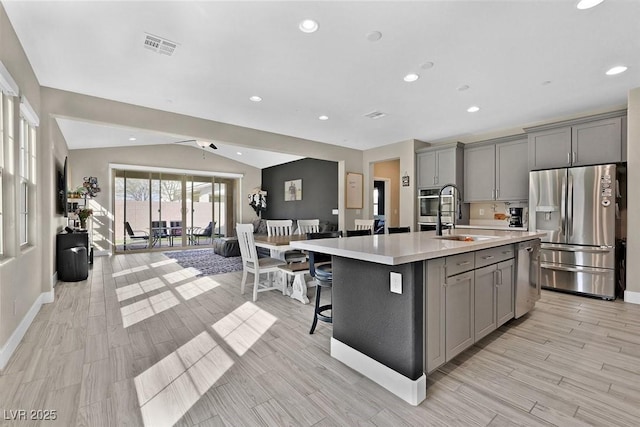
(428, 206)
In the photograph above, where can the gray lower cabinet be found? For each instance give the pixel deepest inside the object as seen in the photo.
(459, 307)
(462, 304)
(494, 297)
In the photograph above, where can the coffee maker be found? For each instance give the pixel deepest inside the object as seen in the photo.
(516, 217)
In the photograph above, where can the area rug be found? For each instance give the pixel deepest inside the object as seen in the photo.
(206, 261)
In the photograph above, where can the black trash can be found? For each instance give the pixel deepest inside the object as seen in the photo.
(73, 265)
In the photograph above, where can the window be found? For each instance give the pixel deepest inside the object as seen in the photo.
(27, 176)
(6, 146)
(1, 171)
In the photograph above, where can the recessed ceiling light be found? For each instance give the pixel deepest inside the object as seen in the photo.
(132, 139)
(308, 26)
(616, 70)
(239, 153)
(427, 65)
(412, 77)
(323, 117)
(255, 98)
(463, 88)
(374, 36)
(588, 4)
(546, 83)
(473, 109)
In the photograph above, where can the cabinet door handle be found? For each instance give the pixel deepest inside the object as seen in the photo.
(488, 257)
(507, 253)
(574, 157)
(568, 158)
(464, 263)
(497, 193)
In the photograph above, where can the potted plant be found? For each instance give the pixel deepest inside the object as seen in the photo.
(83, 214)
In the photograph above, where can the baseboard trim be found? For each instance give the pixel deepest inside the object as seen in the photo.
(632, 297)
(411, 391)
(14, 340)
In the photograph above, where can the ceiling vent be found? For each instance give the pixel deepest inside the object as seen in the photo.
(375, 114)
(159, 45)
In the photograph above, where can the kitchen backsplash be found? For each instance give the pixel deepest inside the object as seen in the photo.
(496, 213)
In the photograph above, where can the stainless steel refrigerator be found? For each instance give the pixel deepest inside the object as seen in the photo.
(577, 209)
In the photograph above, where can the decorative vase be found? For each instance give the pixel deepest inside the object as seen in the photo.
(83, 223)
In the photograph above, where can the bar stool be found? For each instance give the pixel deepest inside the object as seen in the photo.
(320, 270)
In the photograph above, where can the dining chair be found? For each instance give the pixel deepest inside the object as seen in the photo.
(252, 264)
(363, 232)
(394, 230)
(308, 226)
(283, 227)
(321, 271)
(364, 224)
(175, 230)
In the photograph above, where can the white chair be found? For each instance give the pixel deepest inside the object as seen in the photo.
(308, 226)
(364, 224)
(283, 227)
(280, 227)
(252, 264)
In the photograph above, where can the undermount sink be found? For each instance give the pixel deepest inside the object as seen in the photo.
(466, 237)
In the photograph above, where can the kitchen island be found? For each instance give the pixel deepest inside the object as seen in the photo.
(389, 302)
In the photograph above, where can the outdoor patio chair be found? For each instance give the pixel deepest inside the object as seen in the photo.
(198, 232)
(135, 235)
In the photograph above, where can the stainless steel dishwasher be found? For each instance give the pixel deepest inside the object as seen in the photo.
(527, 276)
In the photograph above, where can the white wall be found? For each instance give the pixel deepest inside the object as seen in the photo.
(632, 293)
(22, 281)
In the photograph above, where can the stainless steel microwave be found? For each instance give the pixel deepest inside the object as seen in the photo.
(428, 206)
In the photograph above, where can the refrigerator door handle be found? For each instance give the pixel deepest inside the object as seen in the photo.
(563, 200)
(570, 206)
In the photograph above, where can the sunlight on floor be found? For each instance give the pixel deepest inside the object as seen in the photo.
(130, 291)
(130, 270)
(197, 287)
(169, 388)
(244, 326)
(180, 275)
(140, 310)
(165, 262)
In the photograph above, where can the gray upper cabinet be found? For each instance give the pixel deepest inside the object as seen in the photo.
(496, 171)
(438, 166)
(586, 141)
(597, 142)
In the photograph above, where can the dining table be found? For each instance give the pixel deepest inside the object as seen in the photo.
(277, 246)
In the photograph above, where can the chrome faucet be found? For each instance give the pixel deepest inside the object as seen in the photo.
(459, 200)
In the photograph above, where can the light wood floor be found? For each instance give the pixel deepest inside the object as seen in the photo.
(142, 342)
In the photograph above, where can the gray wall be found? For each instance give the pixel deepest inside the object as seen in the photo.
(319, 190)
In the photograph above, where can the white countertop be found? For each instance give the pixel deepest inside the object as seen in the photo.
(394, 249)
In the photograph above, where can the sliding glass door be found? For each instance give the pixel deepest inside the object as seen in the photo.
(156, 210)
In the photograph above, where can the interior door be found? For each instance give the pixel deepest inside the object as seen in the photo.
(591, 205)
(547, 204)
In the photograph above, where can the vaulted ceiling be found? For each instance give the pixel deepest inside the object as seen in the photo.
(518, 61)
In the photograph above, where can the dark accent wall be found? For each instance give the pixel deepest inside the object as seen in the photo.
(319, 190)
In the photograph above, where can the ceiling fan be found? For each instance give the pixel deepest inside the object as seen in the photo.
(201, 144)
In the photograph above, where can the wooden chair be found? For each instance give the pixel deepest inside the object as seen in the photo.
(308, 226)
(394, 230)
(252, 264)
(364, 224)
(283, 227)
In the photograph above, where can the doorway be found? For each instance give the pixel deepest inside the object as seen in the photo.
(158, 210)
(386, 188)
